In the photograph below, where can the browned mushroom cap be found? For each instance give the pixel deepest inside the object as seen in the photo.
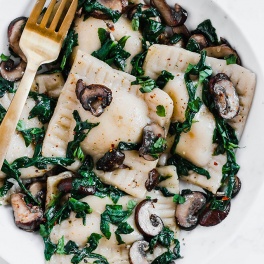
(14, 32)
(210, 217)
(150, 134)
(117, 5)
(112, 160)
(148, 224)
(200, 39)
(27, 217)
(12, 72)
(182, 30)
(137, 252)
(152, 181)
(94, 97)
(221, 52)
(66, 186)
(225, 96)
(187, 213)
(172, 17)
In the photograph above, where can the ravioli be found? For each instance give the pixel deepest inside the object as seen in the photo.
(17, 146)
(196, 145)
(129, 112)
(121, 28)
(73, 228)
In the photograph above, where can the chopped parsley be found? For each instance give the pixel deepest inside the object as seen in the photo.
(161, 111)
(179, 199)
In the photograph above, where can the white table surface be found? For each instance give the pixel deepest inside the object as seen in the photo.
(248, 245)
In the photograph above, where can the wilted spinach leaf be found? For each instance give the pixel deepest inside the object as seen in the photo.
(44, 107)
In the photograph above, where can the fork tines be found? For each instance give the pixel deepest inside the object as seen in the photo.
(57, 17)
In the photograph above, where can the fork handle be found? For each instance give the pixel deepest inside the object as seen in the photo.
(14, 111)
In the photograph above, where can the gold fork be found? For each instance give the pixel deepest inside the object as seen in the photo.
(41, 42)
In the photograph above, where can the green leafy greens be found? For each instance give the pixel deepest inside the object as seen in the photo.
(44, 107)
(208, 30)
(5, 86)
(114, 214)
(163, 79)
(166, 239)
(183, 166)
(194, 103)
(81, 130)
(89, 179)
(90, 6)
(112, 52)
(226, 140)
(55, 214)
(69, 43)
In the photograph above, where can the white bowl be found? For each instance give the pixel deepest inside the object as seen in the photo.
(238, 24)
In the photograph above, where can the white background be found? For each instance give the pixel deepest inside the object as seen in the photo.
(246, 243)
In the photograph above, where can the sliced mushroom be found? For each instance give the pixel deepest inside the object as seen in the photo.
(137, 252)
(12, 72)
(210, 217)
(221, 52)
(182, 30)
(172, 17)
(153, 180)
(236, 188)
(200, 40)
(14, 32)
(187, 213)
(150, 134)
(225, 96)
(66, 186)
(38, 190)
(116, 5)
(148, 224)
(94, 97)
(112, 160)
(27, 217)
